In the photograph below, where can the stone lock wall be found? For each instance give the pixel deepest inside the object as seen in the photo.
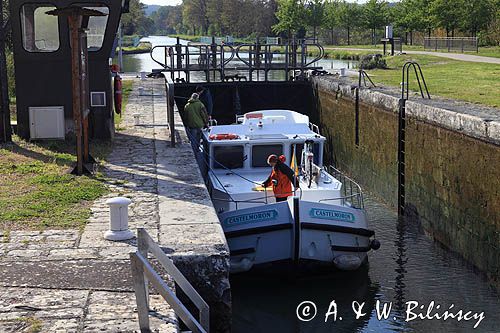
(452, 162)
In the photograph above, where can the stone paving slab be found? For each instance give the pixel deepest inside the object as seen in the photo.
(52, 310)
(77, 274)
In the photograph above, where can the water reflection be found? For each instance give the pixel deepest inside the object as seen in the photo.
(408, 267)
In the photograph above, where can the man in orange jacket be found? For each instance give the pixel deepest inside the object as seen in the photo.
(281, 178)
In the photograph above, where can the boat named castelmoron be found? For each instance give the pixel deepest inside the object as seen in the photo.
(323, 221)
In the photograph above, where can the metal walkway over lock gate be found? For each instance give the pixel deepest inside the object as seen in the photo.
(230, 63)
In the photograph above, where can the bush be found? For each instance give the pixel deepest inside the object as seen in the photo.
(373, 61)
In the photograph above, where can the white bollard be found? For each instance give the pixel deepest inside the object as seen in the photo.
(143, 76)
(343, 72)
(118, 220)
(141, 91)
(137, 119)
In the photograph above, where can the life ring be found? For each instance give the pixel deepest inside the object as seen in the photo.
(224, 136)
(118, 94)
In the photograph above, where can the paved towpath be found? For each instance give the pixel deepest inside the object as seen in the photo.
(74, 281)
(455, 56)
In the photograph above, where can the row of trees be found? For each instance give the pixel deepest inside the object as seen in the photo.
(243, 18)
(470, 17)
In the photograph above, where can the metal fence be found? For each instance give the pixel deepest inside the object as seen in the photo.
(460, 44)
(143, 272)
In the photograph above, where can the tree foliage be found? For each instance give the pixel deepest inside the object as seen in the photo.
(291, 16)
(243, 18)
(375, 15)
(136, 21)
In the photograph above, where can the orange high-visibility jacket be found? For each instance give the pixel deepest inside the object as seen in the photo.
(284, 177)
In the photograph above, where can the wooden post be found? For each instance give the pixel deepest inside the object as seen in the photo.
(74, 22)
(5, 129)
(77, 19)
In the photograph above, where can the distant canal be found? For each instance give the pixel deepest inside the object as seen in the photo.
(144, 63)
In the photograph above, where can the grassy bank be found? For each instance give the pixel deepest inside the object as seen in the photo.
(143, 47)
(487, 51)
(461, 80)
(36, 190)
(127, 87)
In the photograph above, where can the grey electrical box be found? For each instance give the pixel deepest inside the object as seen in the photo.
(46, 122)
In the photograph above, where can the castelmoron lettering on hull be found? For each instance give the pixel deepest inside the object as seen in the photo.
(267, 215)
(327, 214)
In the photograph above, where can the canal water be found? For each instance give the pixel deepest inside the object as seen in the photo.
(409, 268)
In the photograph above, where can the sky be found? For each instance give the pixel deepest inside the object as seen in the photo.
(176, 2)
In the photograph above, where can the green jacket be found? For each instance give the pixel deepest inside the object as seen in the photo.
(195, 114)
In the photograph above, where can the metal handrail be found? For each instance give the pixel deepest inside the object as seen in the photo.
(363, 75)
(343, 198)
(143, 272)
(348, 183)
(170, 98)
(405, 82)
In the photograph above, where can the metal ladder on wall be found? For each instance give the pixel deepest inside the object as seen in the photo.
(363, 75)
(143, 271)
(405, 87)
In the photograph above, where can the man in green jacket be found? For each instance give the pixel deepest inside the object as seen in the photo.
(195, 118)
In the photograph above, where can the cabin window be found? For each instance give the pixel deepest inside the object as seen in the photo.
(300, 148)
(96, 28)
(40, 31)
(260, 153)
(230, 157)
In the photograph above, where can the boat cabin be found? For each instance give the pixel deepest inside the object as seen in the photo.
(236, 157)
(247, 144)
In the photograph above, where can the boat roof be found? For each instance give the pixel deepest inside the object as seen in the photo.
(269, 125)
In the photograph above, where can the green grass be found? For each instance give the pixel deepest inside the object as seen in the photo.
(36, 190)
(30, 324)
(127, 87)
(487, 51)
(461, 80)
(490, 51)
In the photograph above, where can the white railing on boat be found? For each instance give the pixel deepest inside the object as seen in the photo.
(351, 191)
(314, 128)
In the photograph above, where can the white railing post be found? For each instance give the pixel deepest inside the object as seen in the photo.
(140, 293)
(144, 272)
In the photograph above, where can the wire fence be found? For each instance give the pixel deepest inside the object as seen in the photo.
(457, 44)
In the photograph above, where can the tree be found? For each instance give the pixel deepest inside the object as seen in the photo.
(331, 19)
(375, 15)
(194, 14)
(291, 16)
(214, 13)
(477, 15)
(136, 22)
(174, 20)
(5, 130)
(315, 14)
(349, 15)
(448, 14)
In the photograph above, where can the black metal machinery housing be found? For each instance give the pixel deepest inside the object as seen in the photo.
(42, 56)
